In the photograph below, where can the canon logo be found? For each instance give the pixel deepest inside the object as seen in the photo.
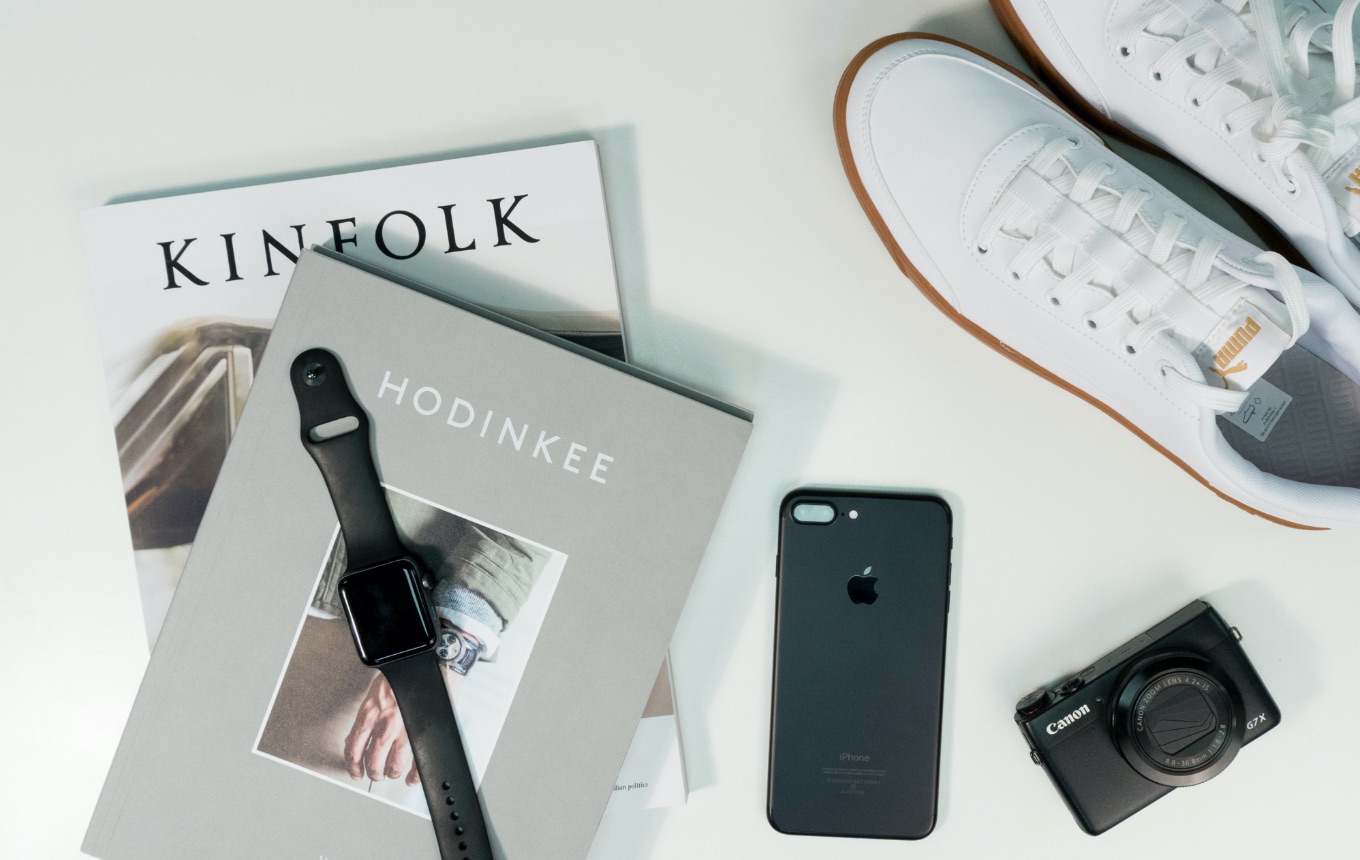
(853, 757)
(1054, 728)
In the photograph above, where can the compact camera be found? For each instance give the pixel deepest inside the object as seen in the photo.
(1169, 708)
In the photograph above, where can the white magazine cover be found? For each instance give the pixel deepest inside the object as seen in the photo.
(186, 289)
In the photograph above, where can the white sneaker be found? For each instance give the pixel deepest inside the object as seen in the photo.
(1019, 224)
(1253, 94)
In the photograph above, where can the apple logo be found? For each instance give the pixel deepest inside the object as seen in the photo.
(861, 587)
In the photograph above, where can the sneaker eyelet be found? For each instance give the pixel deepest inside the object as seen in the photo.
(1128, 347)
(1194, 102)
(1055, 301)
(1076, 142)
(1162, 368)
(1125, 51)
(1155, 75)
(983, 251)
(1015, 276)
(1090, 323)
(1225, 127)
(1291, 188)
(1259, 158)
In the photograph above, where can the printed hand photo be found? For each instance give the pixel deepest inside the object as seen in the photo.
(338, 719)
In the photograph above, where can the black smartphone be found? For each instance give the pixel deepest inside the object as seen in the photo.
(863, 594)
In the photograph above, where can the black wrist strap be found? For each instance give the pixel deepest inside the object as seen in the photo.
(346, 463)
(459, 826)
(345, 460)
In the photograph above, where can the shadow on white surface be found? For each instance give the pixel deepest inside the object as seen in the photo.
(1281, 647)
(790, 402)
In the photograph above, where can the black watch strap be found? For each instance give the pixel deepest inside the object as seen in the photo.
(459, 826)
(345, 460)
(346, 463)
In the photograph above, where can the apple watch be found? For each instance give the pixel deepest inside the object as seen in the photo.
(384, 595)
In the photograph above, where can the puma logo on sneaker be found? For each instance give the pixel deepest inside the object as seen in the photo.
(1242, 347)
(1354, 176)
(1236, 343)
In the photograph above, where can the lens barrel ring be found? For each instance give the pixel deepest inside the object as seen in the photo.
(1209, 695)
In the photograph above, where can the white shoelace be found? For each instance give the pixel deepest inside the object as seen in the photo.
(1199, 268)
(1296, 105)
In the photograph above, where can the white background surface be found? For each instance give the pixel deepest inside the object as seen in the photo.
(747, 268)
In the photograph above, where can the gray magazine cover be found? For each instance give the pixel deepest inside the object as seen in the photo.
(572, 494)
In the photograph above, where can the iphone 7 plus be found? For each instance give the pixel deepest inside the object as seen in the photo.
(862, 598)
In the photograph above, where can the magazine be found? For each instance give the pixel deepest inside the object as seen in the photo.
(186, 289)
(573, 493)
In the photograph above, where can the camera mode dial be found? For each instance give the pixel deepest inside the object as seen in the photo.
(1034, 703)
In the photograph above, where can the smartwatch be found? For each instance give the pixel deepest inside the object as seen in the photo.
(384, 595)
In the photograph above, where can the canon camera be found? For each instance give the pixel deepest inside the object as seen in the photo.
(1169, 708)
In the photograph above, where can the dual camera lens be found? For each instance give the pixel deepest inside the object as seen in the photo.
(818, 513)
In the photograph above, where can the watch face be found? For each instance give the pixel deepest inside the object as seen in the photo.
(450, 648)
(387, 612)
(458, 650)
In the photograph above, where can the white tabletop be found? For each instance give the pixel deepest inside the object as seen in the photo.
(747, 269)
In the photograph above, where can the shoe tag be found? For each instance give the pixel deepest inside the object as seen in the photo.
(1242, 347)
(1263, 407)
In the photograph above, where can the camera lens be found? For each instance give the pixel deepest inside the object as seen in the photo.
(1178, 721)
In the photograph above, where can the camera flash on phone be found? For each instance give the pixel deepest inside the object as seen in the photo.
(854, 515)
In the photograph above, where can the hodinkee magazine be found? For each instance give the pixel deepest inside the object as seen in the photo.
(598, 483)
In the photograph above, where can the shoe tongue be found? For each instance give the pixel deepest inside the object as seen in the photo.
(1245, 343)
(1235, 333)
